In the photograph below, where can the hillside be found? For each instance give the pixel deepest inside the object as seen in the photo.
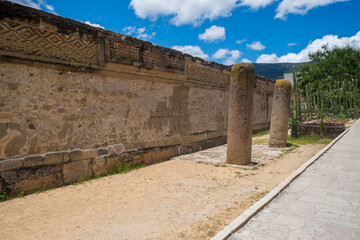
(274, 70)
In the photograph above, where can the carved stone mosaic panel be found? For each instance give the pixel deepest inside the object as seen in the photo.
(128, 52)
(20, 38)
(207, 74)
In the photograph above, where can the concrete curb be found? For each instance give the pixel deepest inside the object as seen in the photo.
(240, 221)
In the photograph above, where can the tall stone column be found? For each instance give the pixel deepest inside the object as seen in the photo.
(280, 114)
(240, 116)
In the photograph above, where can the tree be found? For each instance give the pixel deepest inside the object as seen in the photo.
(338, 66)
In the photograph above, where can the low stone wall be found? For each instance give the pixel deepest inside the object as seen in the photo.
(330, 130)
(67, 88)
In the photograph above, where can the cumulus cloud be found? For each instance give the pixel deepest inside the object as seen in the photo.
(213, 33)
(300, 6)
(229, 56)
(138, 33)
(195, 12)
(191, 11)
(241, 41)
(39, 4)
(331, 41)
(94, 24)
(256, 4)
(257, 45)
(245, 60)
(192, 50)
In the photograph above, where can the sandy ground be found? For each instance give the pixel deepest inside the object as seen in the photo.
(177, 199)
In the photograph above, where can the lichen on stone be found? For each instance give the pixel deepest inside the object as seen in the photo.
(285, 85)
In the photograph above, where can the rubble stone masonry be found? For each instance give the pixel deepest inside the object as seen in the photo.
(76, 100)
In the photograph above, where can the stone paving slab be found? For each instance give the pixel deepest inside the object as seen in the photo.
(322, 203)
(261, 153)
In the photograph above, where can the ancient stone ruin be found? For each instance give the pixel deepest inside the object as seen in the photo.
(241, 114)
(76, 100)
(280, 114)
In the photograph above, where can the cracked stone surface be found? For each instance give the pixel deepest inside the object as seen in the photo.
(322, 203)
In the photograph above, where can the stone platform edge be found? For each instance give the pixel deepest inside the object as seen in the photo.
(246, 216)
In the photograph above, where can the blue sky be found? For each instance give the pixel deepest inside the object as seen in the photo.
(224, 31)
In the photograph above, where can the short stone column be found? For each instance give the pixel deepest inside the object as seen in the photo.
(280, 114)
(240, 115)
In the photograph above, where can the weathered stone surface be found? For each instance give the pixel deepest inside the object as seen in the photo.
(118, 148)
(240, 116)
(12, 164)
(99, 166)
(66, 157)
(54, 158)
(111, 162)
(75, 170)
(33, 161)
(29, 180)
(280, 114)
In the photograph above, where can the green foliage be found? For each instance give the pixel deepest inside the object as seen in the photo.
(124, 168)
(339, 65)
(6, 195)
(329, 86)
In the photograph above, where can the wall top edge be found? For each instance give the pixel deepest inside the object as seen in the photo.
(70, 26)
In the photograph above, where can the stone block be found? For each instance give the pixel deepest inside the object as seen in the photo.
(33, 161)
(99, 167)
(110, 150)
(149, 157)
(87, 154)
(119, 148)
(187, 140)
(73, 171)
(66, 157)
(102, 151)
(53, 158)
(111, 162)
(30, 180)
(76, 155)
(10, 164)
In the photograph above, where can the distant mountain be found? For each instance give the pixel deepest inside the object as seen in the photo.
(274, 70)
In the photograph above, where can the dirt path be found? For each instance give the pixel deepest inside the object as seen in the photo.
(176, 199)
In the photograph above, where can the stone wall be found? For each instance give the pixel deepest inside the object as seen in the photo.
(77, 100)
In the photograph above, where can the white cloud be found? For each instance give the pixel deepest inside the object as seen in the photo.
(192, 50)
(245, 60)
(256, 4)
(213, 33)
(39, 4)
(229, 56)
(300, 6)
(94, 24)
(257, 45)
(331, 41)
(241, 41)
(191, 11)
(138, 33)
(292, 44)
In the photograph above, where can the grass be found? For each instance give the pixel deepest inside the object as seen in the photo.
(259, 134)
(302, 140)
(6, 195)
(310, 139)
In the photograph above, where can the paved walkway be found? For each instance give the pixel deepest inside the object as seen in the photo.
(323, 203)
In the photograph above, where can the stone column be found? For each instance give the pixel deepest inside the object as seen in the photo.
(240, 116)
(280, 114)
